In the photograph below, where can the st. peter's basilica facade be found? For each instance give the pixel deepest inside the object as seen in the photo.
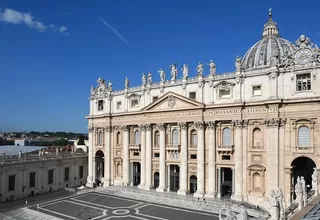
(239, 134)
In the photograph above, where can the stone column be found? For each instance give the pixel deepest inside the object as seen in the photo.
(107, 157)
(162, 184)
(126, 168)
(211, 160)
(90, 159)
(183, 190)
(148, 158)
(143, 157)
(273, 152)
(200, 160)
(219, 183)
(238, 181)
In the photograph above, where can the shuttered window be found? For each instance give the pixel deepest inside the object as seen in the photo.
(304, 136)
(226, 137)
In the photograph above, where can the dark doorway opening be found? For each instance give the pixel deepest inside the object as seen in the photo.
(156, 178)
(302, 166)
(226, 182)
(136, 173)
(193, 184)
(174, 178)
(99, 159)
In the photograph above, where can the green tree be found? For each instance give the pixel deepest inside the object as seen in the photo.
(61, 142)
(81, 140)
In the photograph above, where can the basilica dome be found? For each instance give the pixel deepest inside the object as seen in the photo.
(271, 45)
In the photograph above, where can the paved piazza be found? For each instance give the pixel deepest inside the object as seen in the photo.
(101, 206)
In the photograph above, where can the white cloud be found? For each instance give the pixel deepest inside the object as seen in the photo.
(16, 17)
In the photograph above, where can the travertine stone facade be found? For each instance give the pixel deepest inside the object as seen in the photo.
(239, 134)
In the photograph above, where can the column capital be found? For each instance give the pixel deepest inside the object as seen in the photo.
(147, 127)
(124, 127)
(160, 127)
(200, 125)
(117, 128)
(211, 125)
(90, 129)
(283, 122)
(183, 126)
(272, 122)
(108, 128)
(142, 127)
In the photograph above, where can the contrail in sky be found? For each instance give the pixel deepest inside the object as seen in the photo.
(114, 30)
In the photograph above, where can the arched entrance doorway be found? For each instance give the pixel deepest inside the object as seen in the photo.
(174, 178)
(99, 159)
(156, 180)
(301, 166)
(193, 184)
(136, 173)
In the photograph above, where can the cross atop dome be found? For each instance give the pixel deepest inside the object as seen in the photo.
(270, 28)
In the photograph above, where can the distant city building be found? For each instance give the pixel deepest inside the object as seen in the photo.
(250, 134)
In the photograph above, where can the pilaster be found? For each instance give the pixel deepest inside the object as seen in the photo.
(126, 164)
(90, 176)
(143, 157)
(162, 185)
(200, 159)
(211, 175)
(148, 157)
(184, 159)
(107, 157)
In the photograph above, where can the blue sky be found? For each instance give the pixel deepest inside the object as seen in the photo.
(47, 71)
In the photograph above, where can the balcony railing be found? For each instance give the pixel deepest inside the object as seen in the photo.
(226, 148)
(297, 149)
(173, 147)
(256, 147)
(134, 146)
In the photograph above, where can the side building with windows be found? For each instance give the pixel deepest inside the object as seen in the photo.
(242, 134)
(33, 175)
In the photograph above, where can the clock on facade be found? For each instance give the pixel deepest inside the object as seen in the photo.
(303, 56)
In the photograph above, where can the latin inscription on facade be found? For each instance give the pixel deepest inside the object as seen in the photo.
(147, 116)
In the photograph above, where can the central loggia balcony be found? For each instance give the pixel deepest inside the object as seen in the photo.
(225, 148)
(173, 147)
(303, 149)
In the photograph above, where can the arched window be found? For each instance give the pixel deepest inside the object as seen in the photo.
(137, 137)
(193, 140)
(256, 137)
(118, 138)
(157, 139)
(304, 136)
(226, 137)
(175, 137)
(100, 138)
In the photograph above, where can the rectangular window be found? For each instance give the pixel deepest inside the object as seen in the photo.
(154, 98)
(193, 156)
(224, 93)
(81, 172)
(225, 157)
(136, 154)
(100, 105)
(32, 180)
(119, 105)
(50, 176)
(156, 154)
(192, 95)
(304, 82)
(12, 183)
(66, 174)
(256, 90)
(134, 103)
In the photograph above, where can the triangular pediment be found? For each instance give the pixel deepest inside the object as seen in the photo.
(172, 101)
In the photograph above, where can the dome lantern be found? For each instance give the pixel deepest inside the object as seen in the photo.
(270, 28)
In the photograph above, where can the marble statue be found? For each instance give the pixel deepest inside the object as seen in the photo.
(110, 85)
(212, 68)
(298, 192)
(149, 78)
(162, 75)
(314, 178)
(304, 191)
(200, 69)
(238, 63)
(126, 83)
(100, 81)
(92, 90)
(185, 70)
(276, 201)
(174, 72)
(144, 79)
